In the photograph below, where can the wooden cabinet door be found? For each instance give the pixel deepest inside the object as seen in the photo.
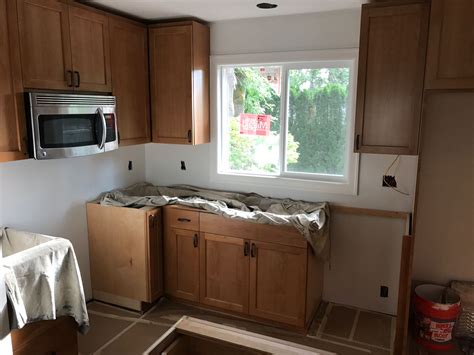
(45, 44)
(89, 32)
(390, 81)
(278, 282)
(450, 62)
(182, 263)
(12, 120)
(129, 60)
(171, 84)
(224, 272)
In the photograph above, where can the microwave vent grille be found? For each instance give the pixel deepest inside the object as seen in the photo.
(72, 100)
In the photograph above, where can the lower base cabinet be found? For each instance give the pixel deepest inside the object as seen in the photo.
(264, 272)
(125, 248)
(57, 336)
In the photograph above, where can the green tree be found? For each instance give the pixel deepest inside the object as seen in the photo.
(317, 119)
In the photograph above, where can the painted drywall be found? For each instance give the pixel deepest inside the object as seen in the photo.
(5, 340)
(49, 196)
(444, 231)
(333, 30)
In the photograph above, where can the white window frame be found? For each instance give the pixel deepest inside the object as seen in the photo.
(346, 184)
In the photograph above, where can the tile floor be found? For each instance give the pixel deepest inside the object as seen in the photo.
(340, 329)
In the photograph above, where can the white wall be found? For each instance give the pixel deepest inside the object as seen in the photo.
(5, 340)
(49, 196)
(339, 29)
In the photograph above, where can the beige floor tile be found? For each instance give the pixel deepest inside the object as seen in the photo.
(101, 330)
(373, 349)
(374, 328)
(340, 321)
(135, 340)
(109, 309)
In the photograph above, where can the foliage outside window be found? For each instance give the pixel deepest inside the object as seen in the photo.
(307, 109)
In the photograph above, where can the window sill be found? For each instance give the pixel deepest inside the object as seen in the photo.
(280, 182)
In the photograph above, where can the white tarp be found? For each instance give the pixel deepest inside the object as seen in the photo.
(42, 279)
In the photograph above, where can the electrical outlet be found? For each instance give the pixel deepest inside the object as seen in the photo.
(384, 291)
(183, 165)
(389, 181)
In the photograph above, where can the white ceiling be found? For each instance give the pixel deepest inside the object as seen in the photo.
(217, 10)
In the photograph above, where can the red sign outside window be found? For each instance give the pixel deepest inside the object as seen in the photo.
(256, 125)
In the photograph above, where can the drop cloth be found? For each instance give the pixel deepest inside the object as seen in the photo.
(42, 279)
(311, 219)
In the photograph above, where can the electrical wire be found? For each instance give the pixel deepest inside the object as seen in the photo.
(389, 185)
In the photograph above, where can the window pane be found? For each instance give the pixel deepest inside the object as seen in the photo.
(251, 119)
(317, 120)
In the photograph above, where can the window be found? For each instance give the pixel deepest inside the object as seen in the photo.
(287, 120)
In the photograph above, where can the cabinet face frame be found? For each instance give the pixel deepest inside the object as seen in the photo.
(221, 265)
(420, 8)
(10, 58)
(154, 255)
(448, 28)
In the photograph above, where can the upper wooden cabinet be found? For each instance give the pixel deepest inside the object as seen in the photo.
(129, 59)
(450, 62)
(12, 120)
(392, 55)
(63, 47)
(89, 33)
(179, 68)
(45, 45)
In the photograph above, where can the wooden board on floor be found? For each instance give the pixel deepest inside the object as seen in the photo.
(225, 335)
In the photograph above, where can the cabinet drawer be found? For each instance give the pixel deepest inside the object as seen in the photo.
(181, 218)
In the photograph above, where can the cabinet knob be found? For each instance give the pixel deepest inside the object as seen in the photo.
(195, 241)
(184, 220)
(190, 136)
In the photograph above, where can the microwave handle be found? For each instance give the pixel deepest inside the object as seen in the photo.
(104, 127)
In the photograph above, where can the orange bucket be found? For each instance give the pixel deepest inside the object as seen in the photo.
(436, 311)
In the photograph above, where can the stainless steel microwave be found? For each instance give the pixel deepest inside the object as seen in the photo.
(70, 125)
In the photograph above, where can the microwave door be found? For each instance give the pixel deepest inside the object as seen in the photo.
(64, 135)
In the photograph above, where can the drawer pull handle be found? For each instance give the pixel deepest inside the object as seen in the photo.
(246, 248)
(253, 251)
(184, 220)
(195, 240)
